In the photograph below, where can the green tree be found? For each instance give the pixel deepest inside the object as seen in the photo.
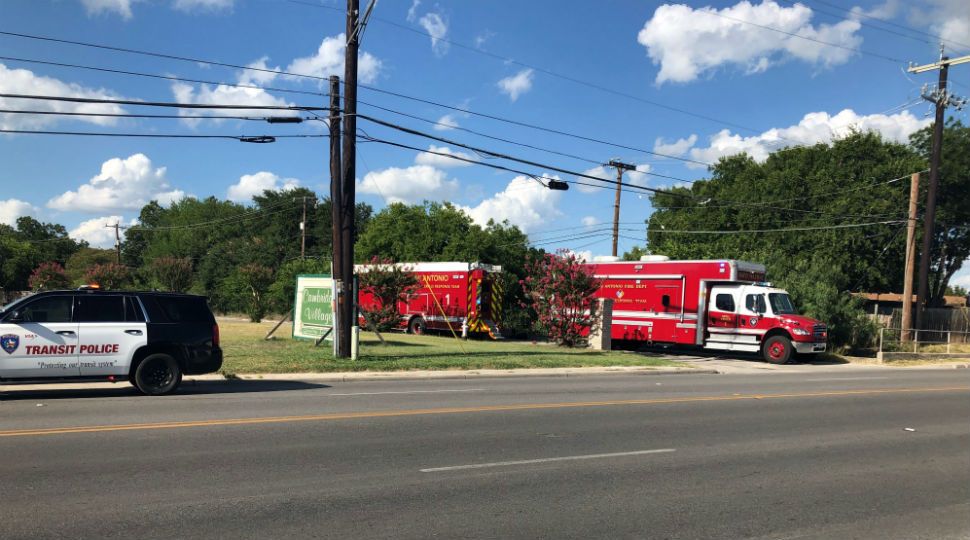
(635, 253)
(256, 278)
(283, 290)
(49, 276)
(86, 258)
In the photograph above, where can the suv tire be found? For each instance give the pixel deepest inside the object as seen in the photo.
(158, 374)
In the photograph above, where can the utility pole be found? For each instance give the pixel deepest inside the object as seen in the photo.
(336, 197)
(303, 232)
(941, 98)
(620, 167)
(348, 201)
(907, 322)
(117, 227)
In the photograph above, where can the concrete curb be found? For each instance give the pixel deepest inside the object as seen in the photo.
(443, 375)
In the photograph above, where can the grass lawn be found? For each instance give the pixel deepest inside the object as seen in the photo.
(247, 352)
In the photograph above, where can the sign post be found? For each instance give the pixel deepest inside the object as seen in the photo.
(313, 308)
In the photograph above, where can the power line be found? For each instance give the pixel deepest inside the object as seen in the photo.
(788, 229)
(240, 138)
(506, 156)
(166, 77)
(890, 23)
(127, 115)
(164, 103)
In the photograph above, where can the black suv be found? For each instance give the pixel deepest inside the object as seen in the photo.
(148, 338)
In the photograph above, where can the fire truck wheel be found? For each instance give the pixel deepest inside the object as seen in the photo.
(777, 350)
(157, 375)
(416, 326)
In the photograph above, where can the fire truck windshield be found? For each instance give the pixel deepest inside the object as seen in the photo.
(781, 304)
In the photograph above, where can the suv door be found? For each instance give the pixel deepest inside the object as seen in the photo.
(112, 328)
(38, 339)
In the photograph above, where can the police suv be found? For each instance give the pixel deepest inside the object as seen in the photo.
(148, 338)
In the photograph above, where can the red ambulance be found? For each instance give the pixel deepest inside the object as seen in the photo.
(719, 305)
(453, 296)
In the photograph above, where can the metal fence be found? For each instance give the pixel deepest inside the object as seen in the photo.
(937, 319)
(894, 340)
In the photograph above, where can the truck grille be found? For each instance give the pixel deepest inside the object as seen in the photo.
(819, 332)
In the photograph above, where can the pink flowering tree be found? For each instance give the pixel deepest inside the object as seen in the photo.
(49, 276)
(561, 291)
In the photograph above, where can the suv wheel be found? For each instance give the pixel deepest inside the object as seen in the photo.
(157, 375)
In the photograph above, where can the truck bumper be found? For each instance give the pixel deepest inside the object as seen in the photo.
(808, 347)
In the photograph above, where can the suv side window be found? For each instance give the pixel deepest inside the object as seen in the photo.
(49, 309)
(724, 302)
(98, 308)
(133, 311)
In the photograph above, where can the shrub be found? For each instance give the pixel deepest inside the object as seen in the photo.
(388, 284)
(561, 291)
(256, 278)
(108, 276)
(48, 276)
(173, 273)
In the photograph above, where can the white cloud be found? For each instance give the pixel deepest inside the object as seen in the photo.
(437, 27)
(437, 160)
(676, 148)
(97, 231)
(203, 5)
(11, 209)
(814, 128)
(886, 10)
(584, 255)
(949, 19)
(329, 60)
(688, 42)
(482, 39)
(24, 81)
(636, 178)
(517, 84)
(413, 10)
(411, 185)
(250, 185)
(590, 221)
(249, 76)
(123, 184)
(962, 277)
(96, 7)
(524, 202)
(446, 122)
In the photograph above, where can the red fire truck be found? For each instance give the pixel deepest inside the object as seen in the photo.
(721, 304)
(453, 296)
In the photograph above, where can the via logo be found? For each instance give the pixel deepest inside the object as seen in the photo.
(9, 342)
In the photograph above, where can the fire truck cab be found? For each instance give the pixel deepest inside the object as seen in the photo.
(718, 305)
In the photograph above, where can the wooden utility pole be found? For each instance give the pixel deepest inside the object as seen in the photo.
(348, 201)
(303, 232)
(336, 196)
(620, 167)
(907, 322)
(117, 227)
(941, 99)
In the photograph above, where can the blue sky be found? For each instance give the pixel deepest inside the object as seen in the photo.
(775, 86)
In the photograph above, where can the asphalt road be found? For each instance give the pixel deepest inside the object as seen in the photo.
(867, 454)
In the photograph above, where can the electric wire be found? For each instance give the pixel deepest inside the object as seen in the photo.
(163, 103)
(241, 138)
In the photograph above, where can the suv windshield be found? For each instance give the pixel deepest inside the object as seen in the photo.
(781, 304)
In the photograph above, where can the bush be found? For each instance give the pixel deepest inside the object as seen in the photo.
(173, 273)
(388, 284)
(108, 276)
(48, 276)
(561, 291)
(256, 279)
(281, 293)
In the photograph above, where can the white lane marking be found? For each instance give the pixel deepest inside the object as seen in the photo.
(410, 392)
(845, 379)
(546, 460)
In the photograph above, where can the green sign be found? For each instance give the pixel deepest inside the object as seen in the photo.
(313, 307)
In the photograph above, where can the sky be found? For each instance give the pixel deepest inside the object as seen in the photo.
(688, 82)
